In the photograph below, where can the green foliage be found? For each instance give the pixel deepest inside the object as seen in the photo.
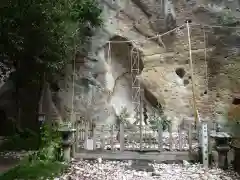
(34, 171)
(122, 118)
(40, 34)
(230, 125)
(156, 121)
(43, 163)
(226, 18)
(23, 140)
(159, 119)
(50, 145)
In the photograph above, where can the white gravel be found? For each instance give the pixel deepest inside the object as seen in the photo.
(116, 170)
(15, 154)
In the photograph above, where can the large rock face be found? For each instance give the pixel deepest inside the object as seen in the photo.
(105, 71)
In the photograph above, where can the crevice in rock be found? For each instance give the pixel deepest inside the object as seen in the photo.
(236, 101)
(185, 82)
(180, 72)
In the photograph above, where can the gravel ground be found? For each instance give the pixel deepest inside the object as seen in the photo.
(132, 170)
(10, 159)
(14, 154)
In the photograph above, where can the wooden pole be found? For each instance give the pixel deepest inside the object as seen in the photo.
(141, 117)
(192, 73)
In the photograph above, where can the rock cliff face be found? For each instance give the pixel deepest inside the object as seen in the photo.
(103, 75)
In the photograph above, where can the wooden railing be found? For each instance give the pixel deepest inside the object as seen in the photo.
(122, 138)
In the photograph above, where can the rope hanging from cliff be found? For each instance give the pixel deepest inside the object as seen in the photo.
(216, 26)
(192, 75)
(205, 58)
(109, 54)
(73, 79)
(168, 32)
(153, 37)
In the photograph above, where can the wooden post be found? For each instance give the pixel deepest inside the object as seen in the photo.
(74, 139)
(141, 118)
(149, 139)
(190, 136)
(160, 137)
(86, 134)
(180, 138)
(112, 137)
(170, 137)
(121, 137)
(94, 137)
(102, 138)
(77, 137)
(192, 73)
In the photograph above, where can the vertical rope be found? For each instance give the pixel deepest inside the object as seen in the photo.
(206, 65)
(205, 58)
(109, 53)
(192, 75)
(73, 79)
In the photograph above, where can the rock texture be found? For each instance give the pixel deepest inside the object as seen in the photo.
(103, 74)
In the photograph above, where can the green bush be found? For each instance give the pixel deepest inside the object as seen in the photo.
(155, 121)
(226, 18)
(50, 145)
(43, 163)
(34, 170)
(23, 140)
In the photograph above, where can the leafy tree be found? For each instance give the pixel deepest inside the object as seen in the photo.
(40, 34)
(38, 38)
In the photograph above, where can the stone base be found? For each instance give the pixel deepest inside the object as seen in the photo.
(236, 161)
(67, 154)
(210, 157)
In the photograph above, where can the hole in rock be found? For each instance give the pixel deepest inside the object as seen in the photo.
(185, 82)
(205, 92)
(180, 72)
(236, 101)
(54, 87)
